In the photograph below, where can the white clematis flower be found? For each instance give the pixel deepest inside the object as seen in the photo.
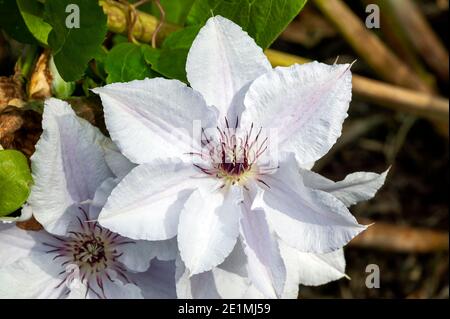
(311, 269)
(231, 278)
(74, 257)
(235, 181)
(228, 280)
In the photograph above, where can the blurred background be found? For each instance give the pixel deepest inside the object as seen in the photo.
(398, 118)
(401, 120)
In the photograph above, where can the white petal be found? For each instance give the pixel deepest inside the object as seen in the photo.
(113, 287)
(78, 289)
(137, 256)
(222, 60)
(35, 276)
(290, 259)
(67, 167)
(213, 284)
(16, 243)
(209, 226)
(319, 269)
(265, 267)
(312, 269)
(356, 187)
(147, 202)
(306, 219)
(153, 118)
(227, 281)
(236, 262)
(118, 163)
(231, 277)
(158, 282)
(119, 290)
(253, 293)
(306, 104)
(101, 196)
(201, 286)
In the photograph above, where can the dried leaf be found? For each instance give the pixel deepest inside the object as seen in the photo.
(10, 92)
(20, 129)
(30, 224)
(40, 85)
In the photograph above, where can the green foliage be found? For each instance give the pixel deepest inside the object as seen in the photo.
(60, 88)
(12, 22)
(126, 62)
(170, 61)
(181, 39)
(32, 13)
(45, 23)
(73, 48)
(176, 10)
(264, 20)
(15, 181)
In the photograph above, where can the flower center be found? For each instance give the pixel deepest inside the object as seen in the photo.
(89, 254)
(89, 249)
(233, 154)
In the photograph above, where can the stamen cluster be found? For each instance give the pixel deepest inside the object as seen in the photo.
(233, 153)
(89, 253)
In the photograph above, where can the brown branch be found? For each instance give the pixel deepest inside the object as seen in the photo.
(308, 29)
(398, 40)
(399, 238)
(422, 36)
(369, 47)
(160, 24)
(144, 26)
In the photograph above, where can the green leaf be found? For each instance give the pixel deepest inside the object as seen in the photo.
(12, 22)
(98, 69)
(32, 13)
(181, 39)
(126, 62)
(27, 59)
(119, 38)
(176, 10)
(264, 20)
(151, 55)
(171, 64)
(74, 47)
(15, 181)
(60, 88)
(170, 61)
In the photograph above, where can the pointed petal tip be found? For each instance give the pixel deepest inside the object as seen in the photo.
(54, 106)
(96, 90)
(369, 225)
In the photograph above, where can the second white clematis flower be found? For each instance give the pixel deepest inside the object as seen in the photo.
(74, 169)
(235, 181)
